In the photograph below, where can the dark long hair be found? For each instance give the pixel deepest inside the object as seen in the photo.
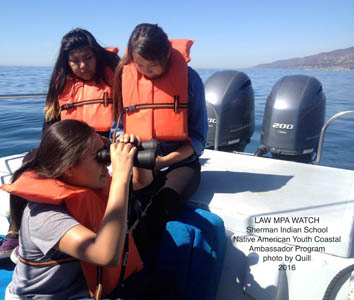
(150, 42)
(75, 39)
(63, 145)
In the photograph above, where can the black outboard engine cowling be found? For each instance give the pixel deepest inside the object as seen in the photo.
(293, 118)
(230, 105)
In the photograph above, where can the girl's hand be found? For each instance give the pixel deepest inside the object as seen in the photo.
(129, 138)
(122, 157)
(176, 156)
(141, 177)
(160, 163)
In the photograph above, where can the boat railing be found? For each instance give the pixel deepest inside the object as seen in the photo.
(19, 96)
(323, 131)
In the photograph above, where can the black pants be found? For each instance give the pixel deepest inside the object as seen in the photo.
(169, 191)
(149, 285)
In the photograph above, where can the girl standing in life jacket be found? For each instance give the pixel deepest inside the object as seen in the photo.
(76, 217)
(157, 96)
(83, 74)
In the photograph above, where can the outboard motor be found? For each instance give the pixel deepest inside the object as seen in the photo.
(293, 118)
(230, 105)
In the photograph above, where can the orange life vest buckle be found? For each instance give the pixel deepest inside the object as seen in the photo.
(67, 106)
(175, 103)
(130, 108)
(105, 99)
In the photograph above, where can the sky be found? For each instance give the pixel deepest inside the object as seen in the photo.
(227, 33)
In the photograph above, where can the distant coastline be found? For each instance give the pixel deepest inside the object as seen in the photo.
(341, 59)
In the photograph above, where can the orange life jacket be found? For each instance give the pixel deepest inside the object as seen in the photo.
(157, 108)
(88, 101)
(87, 206)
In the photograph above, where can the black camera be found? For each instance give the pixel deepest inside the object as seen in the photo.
(144, 157)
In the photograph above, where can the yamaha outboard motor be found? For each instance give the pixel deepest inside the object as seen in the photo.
(230, 105)
(293, 119)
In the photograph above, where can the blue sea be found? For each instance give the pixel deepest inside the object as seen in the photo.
(21, 119)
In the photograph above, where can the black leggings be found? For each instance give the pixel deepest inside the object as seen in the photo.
(171, 190)
(175, 186)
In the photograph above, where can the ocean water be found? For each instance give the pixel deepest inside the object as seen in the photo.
(21, 119)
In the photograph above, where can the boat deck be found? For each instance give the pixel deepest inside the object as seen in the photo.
(269, 203)
(267, 198)
(249, 191)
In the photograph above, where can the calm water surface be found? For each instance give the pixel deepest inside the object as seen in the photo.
(21, 119)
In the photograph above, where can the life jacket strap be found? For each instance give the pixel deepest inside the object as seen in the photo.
(125, 259)
(176, 106)
(47, 262)
(104, 100)
(99, 285)
(99, 281)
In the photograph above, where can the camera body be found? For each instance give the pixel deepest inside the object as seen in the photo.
(144, 158)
